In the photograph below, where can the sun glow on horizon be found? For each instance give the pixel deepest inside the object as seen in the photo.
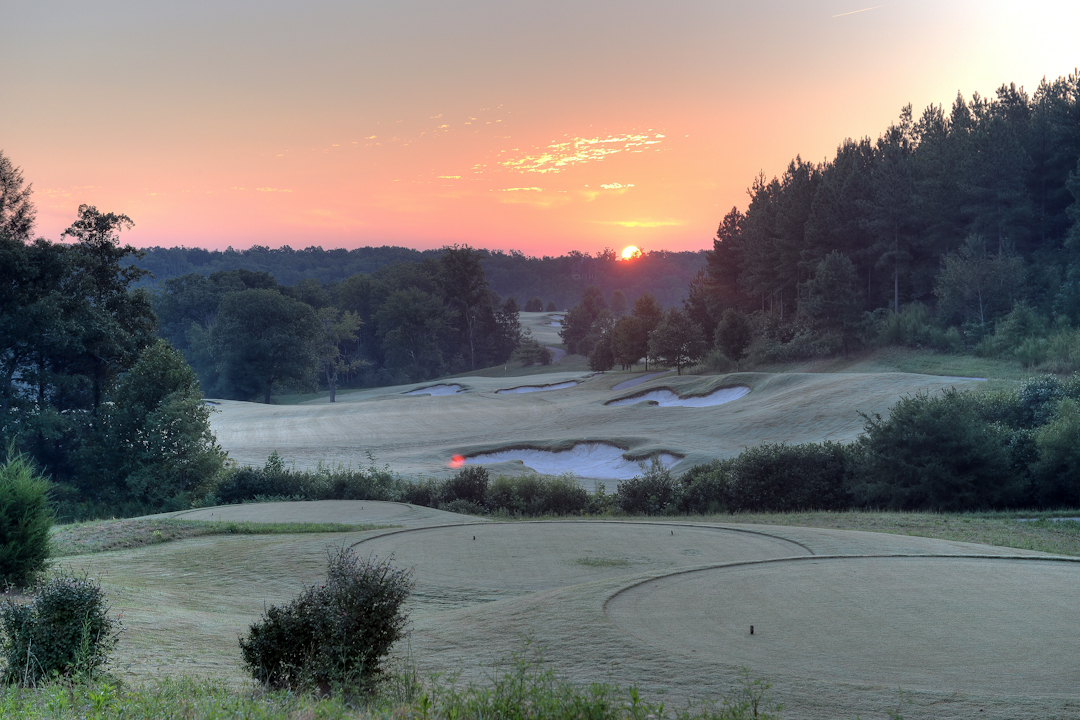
(630, 252)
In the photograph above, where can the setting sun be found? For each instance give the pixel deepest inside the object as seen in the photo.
(630, 252)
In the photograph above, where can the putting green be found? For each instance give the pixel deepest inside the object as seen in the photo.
(535, 556)
(968, 625)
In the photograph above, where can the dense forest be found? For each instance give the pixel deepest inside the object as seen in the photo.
(956, 228)
(248, 337)
(558, 280)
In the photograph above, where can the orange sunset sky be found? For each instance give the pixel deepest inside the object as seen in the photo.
(537, 126)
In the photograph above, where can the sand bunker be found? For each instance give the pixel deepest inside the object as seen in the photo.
(666, 398)
(537, 388)
(590, 460)
(936, 624)
(437, 390)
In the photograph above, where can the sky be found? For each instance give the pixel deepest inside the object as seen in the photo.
(541, 127)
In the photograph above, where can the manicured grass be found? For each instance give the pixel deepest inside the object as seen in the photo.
(909, 360)
(1001, 529)
(105, 535)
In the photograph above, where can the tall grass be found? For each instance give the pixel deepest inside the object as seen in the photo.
(518, 690)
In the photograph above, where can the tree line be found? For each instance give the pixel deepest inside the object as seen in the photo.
(248, 337)
(557, 280)
(958, 217)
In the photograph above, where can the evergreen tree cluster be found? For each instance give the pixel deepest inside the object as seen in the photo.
(968, 211)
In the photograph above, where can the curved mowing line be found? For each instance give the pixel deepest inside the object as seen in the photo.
(665, 397)
(879, 556)
(537, 388)
(593, 522)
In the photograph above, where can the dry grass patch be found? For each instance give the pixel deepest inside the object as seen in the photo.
(105, 535)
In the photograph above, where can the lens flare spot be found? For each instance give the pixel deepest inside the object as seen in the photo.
(456, 461)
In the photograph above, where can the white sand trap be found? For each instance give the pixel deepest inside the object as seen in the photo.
(537, 388)
(536, 556)
(666, 398)
(590, 460)
(634, 382)
(555, 323)
(957, 625)
(437, 390)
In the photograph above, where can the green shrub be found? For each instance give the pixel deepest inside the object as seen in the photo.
(1057, 470)
(333, 635)
(783, 478)
(469, 484)
(25, 519)
(532, 494)
(704, 488)
(654, 492)
(66, 631)
(423, 491)
(323, 483)
(936, 453)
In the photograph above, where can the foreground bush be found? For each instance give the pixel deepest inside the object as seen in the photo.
(25, 519)
(333, 635)
(65, 631)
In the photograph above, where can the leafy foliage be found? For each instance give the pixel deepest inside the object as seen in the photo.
(25, 519)
(335, 634)
(67, 630)
(935, 453)
(654, 491)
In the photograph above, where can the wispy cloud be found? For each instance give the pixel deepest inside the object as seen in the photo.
(616, 186)
(859, 11)
(270, 189)
(558, 156)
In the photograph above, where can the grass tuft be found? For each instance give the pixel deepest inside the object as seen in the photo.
(603, 562)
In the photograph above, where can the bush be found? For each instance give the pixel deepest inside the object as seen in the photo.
(654, 492)
(332, 635)
(469, 484)
(783, 478)
(531, 495)
(66, 631)
(25, 519)
(423, 491)
(704, 488)
(323, 483)
(936, 453)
